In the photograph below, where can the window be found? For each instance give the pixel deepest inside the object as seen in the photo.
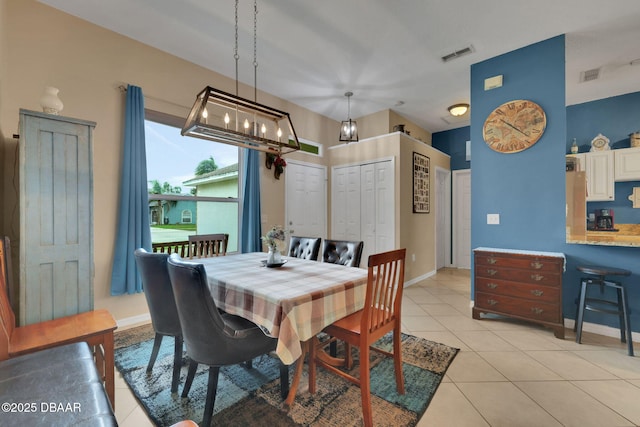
(193, 184)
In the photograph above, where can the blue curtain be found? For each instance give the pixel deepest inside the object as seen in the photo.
(251, 229)
(133, 213)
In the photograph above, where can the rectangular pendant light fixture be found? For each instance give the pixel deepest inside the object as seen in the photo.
(222, 117)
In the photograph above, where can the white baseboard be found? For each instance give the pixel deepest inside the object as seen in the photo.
(134, 320)
(595, 328)
(419, 278)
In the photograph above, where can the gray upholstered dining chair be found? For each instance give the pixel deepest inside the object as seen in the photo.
(162, 307)
(343, 252)
(304, 247)
(213, 338)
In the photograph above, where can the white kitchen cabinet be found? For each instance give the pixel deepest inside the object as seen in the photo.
(600, 182)
(627, 164)
(599, 169)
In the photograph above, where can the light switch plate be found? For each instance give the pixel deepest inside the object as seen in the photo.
(493, 219)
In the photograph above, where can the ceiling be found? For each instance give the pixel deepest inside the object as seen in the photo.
(388, 53)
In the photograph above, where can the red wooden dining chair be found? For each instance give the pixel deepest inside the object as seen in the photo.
(380, 315)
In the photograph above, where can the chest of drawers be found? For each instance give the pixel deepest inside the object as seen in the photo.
(519, 284)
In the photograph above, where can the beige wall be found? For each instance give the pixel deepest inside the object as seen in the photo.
(45, 47)
(40, 46)
(3, 73)
(418, 231)
(384, 122)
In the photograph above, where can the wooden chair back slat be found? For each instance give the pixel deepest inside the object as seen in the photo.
(208, 245)
(384, 290)
(180, 248)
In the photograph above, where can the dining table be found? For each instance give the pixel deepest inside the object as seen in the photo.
(292, 303)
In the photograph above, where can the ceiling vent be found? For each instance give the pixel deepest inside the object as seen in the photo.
(587, 76)
(458, 53)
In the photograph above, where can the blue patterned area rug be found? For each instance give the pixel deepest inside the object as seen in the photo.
(251, 397)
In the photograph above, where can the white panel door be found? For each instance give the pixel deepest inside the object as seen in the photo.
(362, 205)
(443, 213)
(368, 209)
(353, 209)
(306, 200)
(462, 219)
(385, 207)
(345, 202)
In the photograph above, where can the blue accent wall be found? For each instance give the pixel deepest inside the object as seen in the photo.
(527, 189)
(454, 143)
(615, 118)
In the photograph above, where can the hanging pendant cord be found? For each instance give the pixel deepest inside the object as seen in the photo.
(235, 49)
(255, 51)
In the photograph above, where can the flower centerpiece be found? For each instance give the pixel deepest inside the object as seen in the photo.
(274, 239)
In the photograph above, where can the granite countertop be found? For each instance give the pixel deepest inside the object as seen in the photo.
(628, 235)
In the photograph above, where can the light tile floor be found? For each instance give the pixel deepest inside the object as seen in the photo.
(507, 373)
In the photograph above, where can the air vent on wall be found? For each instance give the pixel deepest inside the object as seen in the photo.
(458, 53)
(587, 76)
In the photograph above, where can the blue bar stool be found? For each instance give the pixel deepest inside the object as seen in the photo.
(596, 275)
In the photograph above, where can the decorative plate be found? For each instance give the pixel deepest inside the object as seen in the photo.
(276, 265)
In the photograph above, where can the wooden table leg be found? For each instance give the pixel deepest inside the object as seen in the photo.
(296, 377)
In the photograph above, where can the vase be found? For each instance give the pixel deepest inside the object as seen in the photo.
(50, 102)
(273, 257)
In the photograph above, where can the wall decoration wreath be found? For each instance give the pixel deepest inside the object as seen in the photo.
(278, 162)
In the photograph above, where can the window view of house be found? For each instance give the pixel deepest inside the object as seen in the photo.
(192, 184)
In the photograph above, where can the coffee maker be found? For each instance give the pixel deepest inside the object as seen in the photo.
(604, 220)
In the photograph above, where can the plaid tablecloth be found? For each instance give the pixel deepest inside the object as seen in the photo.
(292, 303)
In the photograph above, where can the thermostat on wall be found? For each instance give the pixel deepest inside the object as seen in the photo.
(493, 82)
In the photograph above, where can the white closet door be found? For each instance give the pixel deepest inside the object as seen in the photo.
(385, 207)
(352, 203)
(345, 203)
(362, 206)
(306, 199)
(368, 211)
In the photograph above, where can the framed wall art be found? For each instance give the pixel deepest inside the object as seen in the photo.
(420, 183)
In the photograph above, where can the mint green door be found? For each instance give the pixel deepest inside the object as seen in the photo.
(56, 217)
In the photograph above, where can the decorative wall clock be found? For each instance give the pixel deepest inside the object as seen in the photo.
(514, 126)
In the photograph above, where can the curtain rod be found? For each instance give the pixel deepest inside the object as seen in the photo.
(123, 89)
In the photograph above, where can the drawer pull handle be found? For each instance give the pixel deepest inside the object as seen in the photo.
(537, 277)
(537, 265)
(537, 292)
(492, 302)
(491, 260)
(537, 310)
(491, 285)
(492, 272)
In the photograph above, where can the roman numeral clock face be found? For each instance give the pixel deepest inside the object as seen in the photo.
(514, 126)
